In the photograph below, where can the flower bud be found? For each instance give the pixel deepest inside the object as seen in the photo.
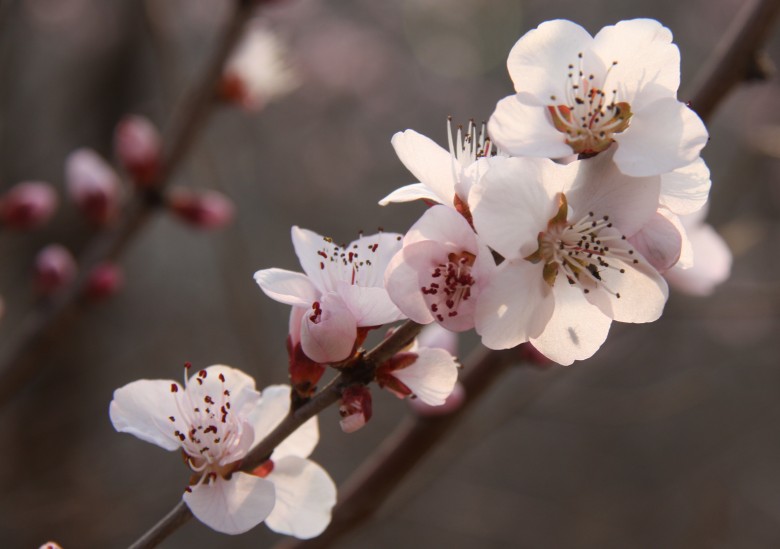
(92, 185)
(258, 72)
(207, 210)
(28, 205)
(355, 408)
(55, 268)
(139, 149)
(104, 281)
(50, 545)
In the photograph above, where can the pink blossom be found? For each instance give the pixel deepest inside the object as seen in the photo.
(342, 290)
(28, 205)
(92, 185)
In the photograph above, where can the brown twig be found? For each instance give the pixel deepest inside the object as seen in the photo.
(736, 59)
(368, 488)
(189, 116)
(358, 370)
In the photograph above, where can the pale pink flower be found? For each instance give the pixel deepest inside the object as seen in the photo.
(215, 419)
(569, 269)
(711, 258)
(204, 210)
(445, 177)
(258, 72)
(427, 374)
(342, 290)
(92, 185)
(440, 271)
(579, 94)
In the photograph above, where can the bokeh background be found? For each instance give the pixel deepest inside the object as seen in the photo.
(668, 437)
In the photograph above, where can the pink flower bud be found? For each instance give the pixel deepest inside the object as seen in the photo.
(207, 210)
(92, 185)
(139, 149)
(355, 408)
(55, 268)
(50, 545)
(304, 372)
(28, 205)
(104, 281)
(451, 404)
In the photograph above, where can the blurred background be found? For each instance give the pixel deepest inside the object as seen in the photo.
(668, 437)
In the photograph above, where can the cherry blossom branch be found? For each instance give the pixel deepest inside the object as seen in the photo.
(367, 489)
(359, 370)
(187, 120)
(736, 58)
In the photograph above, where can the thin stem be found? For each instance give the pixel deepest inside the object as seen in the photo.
(367, 489)
(358, 370)
(188, 118)
(736, 58)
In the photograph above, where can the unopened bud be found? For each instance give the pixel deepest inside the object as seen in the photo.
(355, 408)
(55, 268)
(207, 210)
(92, 185)
(451, 404)
(104, 281)
(50, 545)
(28, 205)
(139, 149)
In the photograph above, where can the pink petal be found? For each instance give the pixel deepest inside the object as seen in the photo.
(143, 408)
(331, 336)
(408, 193)
(576, 328)
(308, 247)
(287, 287)
(231, 506)
(437, 337)
(711, 263)
(685, 190)
(305, 495)
(442, 224)
(659, 242)
(403, 286)
(369, 306)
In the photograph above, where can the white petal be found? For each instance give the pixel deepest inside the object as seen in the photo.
(645, 54)
(143, 408)
(539, 61)
(243, 394)
(287, 287)
(305, 495)
(601, 188)
(408, 193)
(642, 292)
(273, 408)
(232, 506)
(401, 280)
(526, 130)
(576, 329)
(369, 306)
(429, 163)
(663, 136)
(659, 242)
(431, 377)
(436, 337)
(515, 306)
(372, 253)
(332, 337)
(711, 263)
(444, 225)
(510, 205)
(308, 246)
(685, 190)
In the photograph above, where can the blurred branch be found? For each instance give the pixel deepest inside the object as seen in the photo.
(367, 489)
(188, 118)
(359, 370)
(737, 58)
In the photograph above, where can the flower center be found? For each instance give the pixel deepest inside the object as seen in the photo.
(588, 117)
(450, 285)
(208, 430)
(353, 263)
(582, 250)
